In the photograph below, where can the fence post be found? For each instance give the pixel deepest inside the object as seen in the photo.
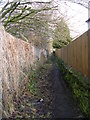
(88, 53)
(89, 39)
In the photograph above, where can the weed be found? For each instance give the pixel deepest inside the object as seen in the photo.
(32, 83)
(32, 86)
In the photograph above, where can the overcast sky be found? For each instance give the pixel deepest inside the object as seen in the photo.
(74, 14)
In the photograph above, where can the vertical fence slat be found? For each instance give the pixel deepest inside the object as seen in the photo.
(77, 53)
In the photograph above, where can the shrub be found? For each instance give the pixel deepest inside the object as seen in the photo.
(61, 35)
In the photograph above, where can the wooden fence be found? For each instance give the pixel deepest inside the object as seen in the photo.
(77, 53)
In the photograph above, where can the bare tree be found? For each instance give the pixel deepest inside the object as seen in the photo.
(20, 16)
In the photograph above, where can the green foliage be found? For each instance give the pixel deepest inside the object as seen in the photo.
(61, 35)
(32, 83)
(20, 18)
(79, 84)
(32, 86)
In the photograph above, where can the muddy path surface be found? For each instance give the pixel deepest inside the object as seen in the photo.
(54, 98)
(64, 104)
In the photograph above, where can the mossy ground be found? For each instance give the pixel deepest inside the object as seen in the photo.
(79, 84)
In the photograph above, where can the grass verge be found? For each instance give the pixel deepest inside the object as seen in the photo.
(79, 84)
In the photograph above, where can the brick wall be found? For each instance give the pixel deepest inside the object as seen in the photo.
(15, 57)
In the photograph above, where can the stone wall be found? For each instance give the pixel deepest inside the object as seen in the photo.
(16, 56)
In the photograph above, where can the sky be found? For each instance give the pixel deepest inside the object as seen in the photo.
(74, 14)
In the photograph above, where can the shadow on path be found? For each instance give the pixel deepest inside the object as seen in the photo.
(64, 104)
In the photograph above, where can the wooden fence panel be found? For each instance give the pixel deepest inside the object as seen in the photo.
(77, 54)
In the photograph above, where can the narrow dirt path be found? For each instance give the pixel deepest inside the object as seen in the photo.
(54, 99)
(64, 105)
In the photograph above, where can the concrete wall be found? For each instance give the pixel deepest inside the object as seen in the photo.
(16, 56)
(77, 53)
